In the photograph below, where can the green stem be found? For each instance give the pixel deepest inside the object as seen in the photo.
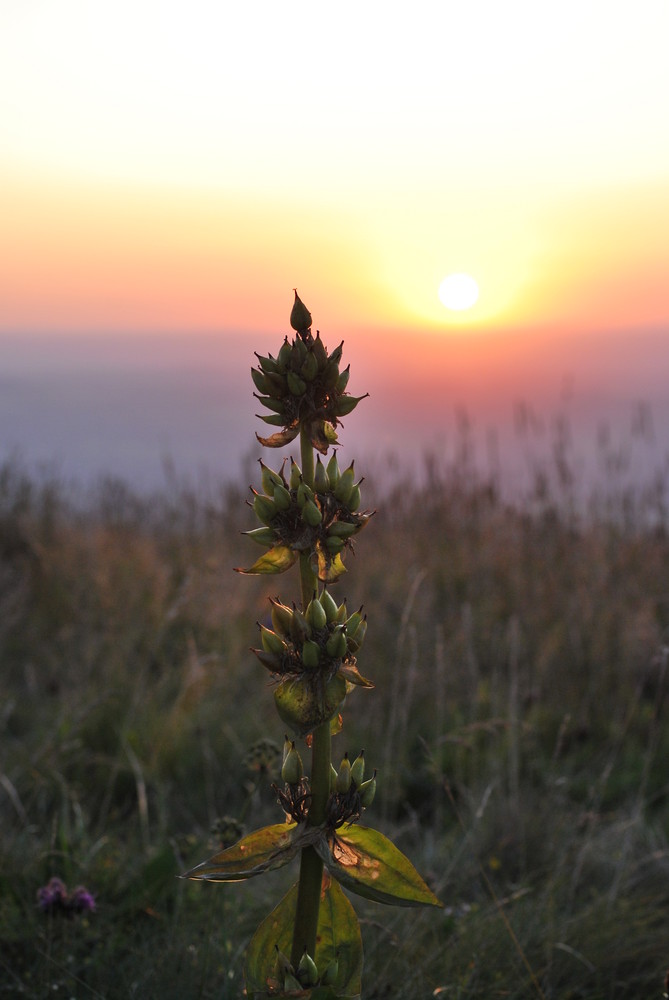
(311, 866)
(307, 458)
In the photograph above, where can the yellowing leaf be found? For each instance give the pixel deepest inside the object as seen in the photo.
(338, 934)
(263, 850)
(367, 863)
(330, 567)
(276, 560)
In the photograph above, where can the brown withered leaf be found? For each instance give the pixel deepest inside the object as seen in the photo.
(279, 439)
(350, 673)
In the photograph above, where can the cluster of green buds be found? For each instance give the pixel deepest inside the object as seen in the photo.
(313, 652)
(321, 520)
(303, 386)
(350, 793)
(305, 976)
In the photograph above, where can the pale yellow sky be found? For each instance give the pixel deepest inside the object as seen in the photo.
(159, 161)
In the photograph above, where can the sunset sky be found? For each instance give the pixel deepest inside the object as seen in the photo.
(180, 167)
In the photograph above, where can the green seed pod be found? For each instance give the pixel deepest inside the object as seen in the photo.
(292, 769)
(342, 381)
(315, 614)
(307, 972)
(304, 493)
(270, 661)
(263, 536)
(333, 778)
(346, 404)
(321, 479)
(300, 629)
(344, 775)
(311, 514)
(336, 646)
(353, 622)
(283, 357)
(332, 470)
(269, 478)
(298, 354)
(300, 317)
(287, 744)
(283, 965)
(360, 633)
(334, 545)
(309, 369)
(354, 499)
(319, 352)
(295, 475)
(345, 483)
(342, 613)
(330, 973)
(358, 769)
(276, 405)
(260, 382)
(273, 419)
(303, 706)
(268, 364)
(277, 385)
(342, 529)
(291, 984)
(328, 602)
(271, 642)
(330, 375)
(265, 508)
(337, 353)
(282, 618)
(296, 385)
(282, 497)
(368, 791)
(311, 654)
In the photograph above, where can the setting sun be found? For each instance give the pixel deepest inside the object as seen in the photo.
(459, 292)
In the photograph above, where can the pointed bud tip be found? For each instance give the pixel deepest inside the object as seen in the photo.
(300, 317)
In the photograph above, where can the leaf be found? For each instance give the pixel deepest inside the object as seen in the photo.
(336, 724)
(369, 864)
(276, 560)
(350, 672)
(330, 567)
(261, 851)
(338, 933)
(279, 439)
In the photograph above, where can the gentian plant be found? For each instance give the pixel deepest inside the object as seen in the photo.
(310, 944)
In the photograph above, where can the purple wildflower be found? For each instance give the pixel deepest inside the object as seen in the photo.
(52, 896)
(81, 900)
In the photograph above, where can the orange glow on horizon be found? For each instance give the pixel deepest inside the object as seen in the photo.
(102, 258)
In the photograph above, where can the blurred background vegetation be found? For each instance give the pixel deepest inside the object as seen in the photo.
(519, 726)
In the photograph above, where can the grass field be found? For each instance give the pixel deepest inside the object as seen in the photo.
(519, 725)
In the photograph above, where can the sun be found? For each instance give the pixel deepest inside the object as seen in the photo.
(459, 292)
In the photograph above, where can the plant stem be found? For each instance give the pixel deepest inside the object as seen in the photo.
(311, 866)
(307, 458)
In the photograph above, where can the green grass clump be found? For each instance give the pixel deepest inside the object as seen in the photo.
(521, 679)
